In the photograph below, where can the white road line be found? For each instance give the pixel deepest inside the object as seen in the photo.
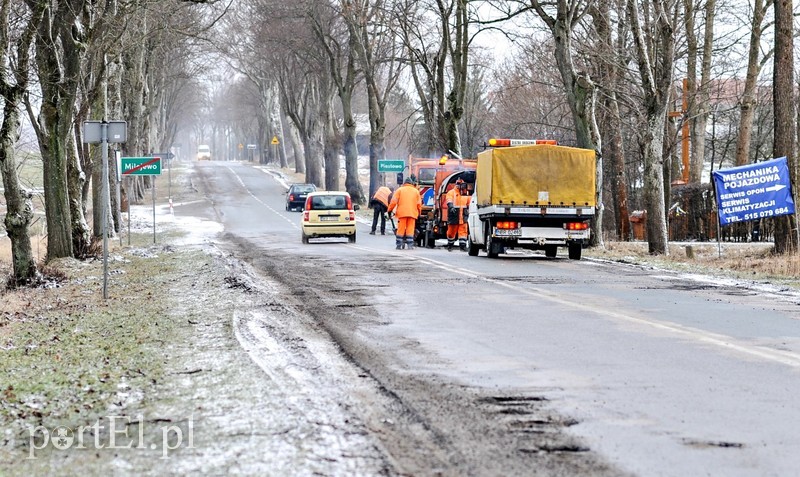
(714, 339)
(294, 224)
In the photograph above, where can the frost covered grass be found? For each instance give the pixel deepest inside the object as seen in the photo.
(70, 357)
(55, 338)
(738, 260)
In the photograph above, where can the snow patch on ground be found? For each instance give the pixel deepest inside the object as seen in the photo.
(196, 230)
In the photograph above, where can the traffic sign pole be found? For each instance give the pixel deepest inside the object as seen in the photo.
(154, 210)
(103, 132)
(144, 166)
(106, 201)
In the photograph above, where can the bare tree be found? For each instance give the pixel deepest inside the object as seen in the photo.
(341, 45)
(241, 44)
(369, 24)
(300, 96)
(784, 109)
(698, 92)
(754, 64)
(58, 57)
(14, 79)
(611, 60)
(438, 58)
(654, 40)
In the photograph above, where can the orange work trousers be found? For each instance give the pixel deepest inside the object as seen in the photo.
(456, 230)
(405, 226)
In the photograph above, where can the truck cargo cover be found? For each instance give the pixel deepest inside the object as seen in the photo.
(539, 175)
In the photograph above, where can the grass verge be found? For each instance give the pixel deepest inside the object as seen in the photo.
(71, 357)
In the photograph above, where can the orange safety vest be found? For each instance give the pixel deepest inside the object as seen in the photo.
(462, 201)
(382, 195)
(407, 201)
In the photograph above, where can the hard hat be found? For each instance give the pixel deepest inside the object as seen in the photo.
(408, 181)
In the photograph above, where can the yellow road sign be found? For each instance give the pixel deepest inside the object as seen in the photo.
(275, 140)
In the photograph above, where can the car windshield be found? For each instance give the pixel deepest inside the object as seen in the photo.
(304, 189)
(328, 202)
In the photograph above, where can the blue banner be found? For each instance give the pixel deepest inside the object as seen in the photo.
(753, 192)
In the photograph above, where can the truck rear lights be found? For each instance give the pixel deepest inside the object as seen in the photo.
(506, 225)
(507, 229)
(576, 225)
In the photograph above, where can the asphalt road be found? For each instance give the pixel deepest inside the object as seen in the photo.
(652, 373)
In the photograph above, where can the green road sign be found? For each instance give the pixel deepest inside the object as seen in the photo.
(141, 166)
(391, 166)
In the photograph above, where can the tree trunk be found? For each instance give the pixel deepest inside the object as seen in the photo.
(689, 14)
(19, 204)
(75, 179)
(748, 104)
(613, 120)
(297, 149)
(460, 71)
(783, 106)
(654, 186)
(377, 146)
(617, 152)
(97, 194)
(701, 100)
(312, 148)
(351, 181)
(656, 73)
(331, 145)
(58, 66)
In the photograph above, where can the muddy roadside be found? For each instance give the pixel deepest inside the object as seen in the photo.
(158, 379)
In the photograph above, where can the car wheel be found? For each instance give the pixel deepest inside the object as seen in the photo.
(287, 207)
(352, 238)
(304, 237)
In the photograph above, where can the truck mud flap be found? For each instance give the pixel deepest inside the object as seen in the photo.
(494, 247)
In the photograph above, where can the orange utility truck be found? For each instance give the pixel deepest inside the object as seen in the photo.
(434, 178)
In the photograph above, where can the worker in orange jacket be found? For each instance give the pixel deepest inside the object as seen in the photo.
(380, 204)
(457, 200)
(406, 204)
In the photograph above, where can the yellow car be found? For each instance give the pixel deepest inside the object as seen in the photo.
(329, 214)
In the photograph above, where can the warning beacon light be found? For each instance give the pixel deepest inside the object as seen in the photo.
(494, 142)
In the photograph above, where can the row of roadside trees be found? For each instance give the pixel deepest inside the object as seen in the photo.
(606, 75)
(63, 62)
